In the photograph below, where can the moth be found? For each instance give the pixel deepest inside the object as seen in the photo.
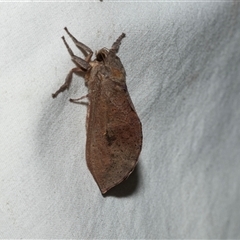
(114, 131)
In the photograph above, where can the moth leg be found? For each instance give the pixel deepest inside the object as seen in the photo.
(78, 99)
(68, 81)
(79, 61)
(117, 43)
(81, 46)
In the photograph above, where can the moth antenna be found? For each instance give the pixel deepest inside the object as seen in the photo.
(117, 43)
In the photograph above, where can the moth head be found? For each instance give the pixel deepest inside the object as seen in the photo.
(102, 54)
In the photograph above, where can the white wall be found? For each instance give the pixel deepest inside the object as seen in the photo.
(183, 71)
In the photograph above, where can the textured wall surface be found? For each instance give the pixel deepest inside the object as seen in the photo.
(183, 73)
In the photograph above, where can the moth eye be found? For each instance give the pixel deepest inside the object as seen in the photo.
(100, 57)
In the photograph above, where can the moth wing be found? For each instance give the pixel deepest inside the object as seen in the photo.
(114, 136)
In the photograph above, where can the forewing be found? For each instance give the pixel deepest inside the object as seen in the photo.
(114, 134)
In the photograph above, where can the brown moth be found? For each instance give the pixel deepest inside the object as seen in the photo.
(114, 131)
